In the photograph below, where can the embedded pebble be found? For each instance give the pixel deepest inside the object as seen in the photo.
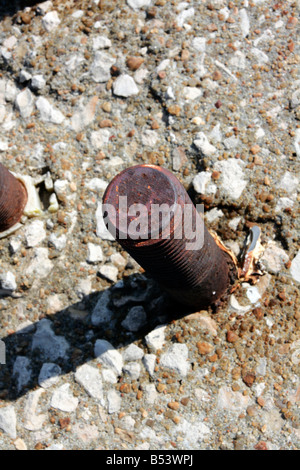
(33, 421)
(25, 103)
(295, 267)
(101, 313)
(274, 257)
(63, 399)
(133, 353)
(125, 86)
(113, 401)
(176, 359)
(49, 345)
(48, 112)
(51, 21)
(8, 421)
(156, 338)
(100, 69)
(22, 372)
(135, 319)
(49, 375)
(95, 254)
(232, 177)
(90, 379)
(35, 233)
(107, 355)
(109, 272)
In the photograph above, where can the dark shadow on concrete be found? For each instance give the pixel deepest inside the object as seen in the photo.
(11, 7)
(81, 334)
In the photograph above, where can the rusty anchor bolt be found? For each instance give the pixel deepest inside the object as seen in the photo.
(13, 199)
(150, 214)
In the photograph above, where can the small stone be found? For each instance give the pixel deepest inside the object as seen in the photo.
(134, 63)
(100, 69)
(51, 21)
(49, 375)
(89, 378)
(133, 369)
(244, 22)
(47, 343)
(174, 405)
(35, 233)
(202, 144)
(95, 254)
(232, 401)
(125, 86)
(133, 353)
(232, 177)
(63, 400)
(295, 268)
(59, 243)
(150, 393)
(22, 372)
(38, 82)
(109, 272)
(20, 444)
(8, 421)
(289, 182)
(32, 420)
(102, 313)
(204, 348)
(255, 149)
(85, 115)
(174, 110)
(25, 103)
(101, 42)
(100, 138)
(48, 113)
(249, 379)
(202, 183)
(232, 337)
(156, 338)
(149, 361)
(44, 7)
(7, 283)
(135, 319)
(274, 258)
(137, 4)
(113, 401)
(199, 44)
(107, 355)
(176, 359)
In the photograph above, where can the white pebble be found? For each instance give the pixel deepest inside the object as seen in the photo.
(49, 375)
(109, 272)
(89, 378)
(295, 268)
(156, 338)
(108, 356)
(51, 21)
(63, 400)
(176, 359)
(95, 254)
(35, 233)
(125, 86)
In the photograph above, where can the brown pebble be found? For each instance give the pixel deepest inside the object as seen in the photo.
(133, 63)
(64, 422)
(174, 110)
(232, 337)
(217, 75)
(218, 104)
(173, 405)
(184, 401)
(249, 378)
(26, 18)
(105, 123)
(161, 388)
(255, 149)
(204, 348)
(261, 401)
(154, 125)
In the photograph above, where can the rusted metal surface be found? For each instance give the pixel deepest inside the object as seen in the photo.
(194, 277)
(13, 199)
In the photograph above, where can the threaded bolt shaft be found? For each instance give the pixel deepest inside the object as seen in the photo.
(13, 199)
(197, 277)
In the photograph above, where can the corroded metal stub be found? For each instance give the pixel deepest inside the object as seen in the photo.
(13, 199)
(196, 277)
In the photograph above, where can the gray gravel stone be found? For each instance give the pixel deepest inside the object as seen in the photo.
(49, 375)
(135, 319)
(125, 86)
(49, 345)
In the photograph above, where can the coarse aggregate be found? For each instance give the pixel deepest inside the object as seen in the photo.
(97, 356)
